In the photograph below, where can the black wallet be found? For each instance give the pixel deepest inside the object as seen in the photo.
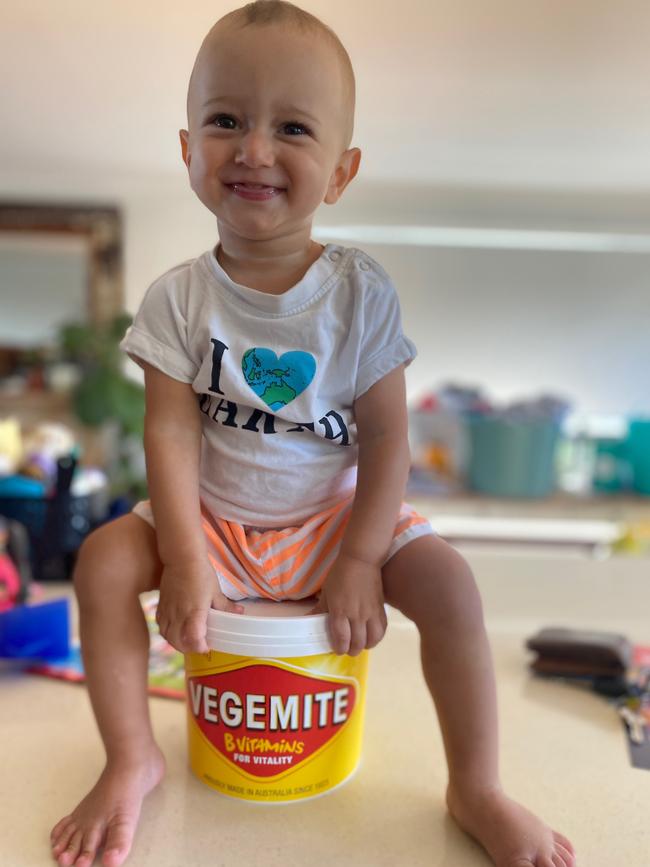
(580, 652)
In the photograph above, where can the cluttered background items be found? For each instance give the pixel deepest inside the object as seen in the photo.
(610, 665)
(530, 448)
(46, 499)
(71, 454)
(49, 499)
(462, 442)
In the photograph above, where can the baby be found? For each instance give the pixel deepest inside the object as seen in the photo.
(276, 442)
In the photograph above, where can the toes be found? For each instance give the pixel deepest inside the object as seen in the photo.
(563, 841)
(58, 828)
(61, 834)
(89, 847)
(568, 857)
(119, 836)
(560, 857)
(67, 857)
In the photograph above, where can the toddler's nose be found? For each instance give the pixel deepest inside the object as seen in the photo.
(255, 149)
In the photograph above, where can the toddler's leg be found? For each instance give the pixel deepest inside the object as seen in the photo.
(116, 563)
(433, 586)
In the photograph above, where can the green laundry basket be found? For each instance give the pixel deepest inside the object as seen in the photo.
(512, 458)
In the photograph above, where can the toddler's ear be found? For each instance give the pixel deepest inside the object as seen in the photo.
(185, 137)
(346, 169)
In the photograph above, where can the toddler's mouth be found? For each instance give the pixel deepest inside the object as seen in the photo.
(257, 192)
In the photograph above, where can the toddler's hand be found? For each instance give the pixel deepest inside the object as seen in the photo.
(186, 595)
(354, 596)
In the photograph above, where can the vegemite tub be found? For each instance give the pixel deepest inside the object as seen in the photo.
(273, 714)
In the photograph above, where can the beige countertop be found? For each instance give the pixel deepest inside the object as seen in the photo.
(564, 752)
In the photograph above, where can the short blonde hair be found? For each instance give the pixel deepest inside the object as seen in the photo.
(262, 13)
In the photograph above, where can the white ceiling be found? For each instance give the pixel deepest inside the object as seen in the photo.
(517, 93)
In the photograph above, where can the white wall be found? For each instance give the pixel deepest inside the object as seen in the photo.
(576, 324)
(515, 322)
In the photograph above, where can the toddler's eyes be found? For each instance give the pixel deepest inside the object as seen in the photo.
(222, 120)
(227, 121)
(292, 127)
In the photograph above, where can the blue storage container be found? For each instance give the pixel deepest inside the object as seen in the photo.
(512, 458)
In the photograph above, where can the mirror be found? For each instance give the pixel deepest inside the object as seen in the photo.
(43, 281)
(58, 263)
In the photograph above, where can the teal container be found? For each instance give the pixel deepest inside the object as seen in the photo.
(638, 449)
(512, 458)
(612, 470)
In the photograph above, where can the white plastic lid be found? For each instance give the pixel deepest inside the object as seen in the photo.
(279, 629)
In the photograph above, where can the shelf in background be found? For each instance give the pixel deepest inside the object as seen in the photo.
(560, 523)
(560, 506)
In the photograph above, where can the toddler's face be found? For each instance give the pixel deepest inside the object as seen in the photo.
(267, 107)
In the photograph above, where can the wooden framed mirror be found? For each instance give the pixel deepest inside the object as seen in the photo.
(59, 264)
(94, 231)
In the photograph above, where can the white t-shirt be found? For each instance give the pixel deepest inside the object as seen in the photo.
(276, 376)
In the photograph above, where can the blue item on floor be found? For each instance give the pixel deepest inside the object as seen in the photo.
(22, 486)
(39, 631)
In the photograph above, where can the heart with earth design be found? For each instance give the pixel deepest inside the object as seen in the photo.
(277, 380)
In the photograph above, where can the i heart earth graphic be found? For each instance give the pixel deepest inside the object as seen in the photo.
(277, 381)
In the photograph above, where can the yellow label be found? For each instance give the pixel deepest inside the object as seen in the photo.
(275, 729)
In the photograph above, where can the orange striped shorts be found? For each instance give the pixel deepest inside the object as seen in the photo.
(252, 562)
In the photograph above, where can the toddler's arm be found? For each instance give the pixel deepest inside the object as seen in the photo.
(172, 441)
(384, 461)
(353, 592)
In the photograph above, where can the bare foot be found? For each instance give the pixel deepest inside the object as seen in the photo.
(108, 815)
(511, 835)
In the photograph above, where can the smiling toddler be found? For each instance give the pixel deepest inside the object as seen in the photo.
(276, 442)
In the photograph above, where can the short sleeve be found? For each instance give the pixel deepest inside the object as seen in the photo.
(383, 345)
(158, 334)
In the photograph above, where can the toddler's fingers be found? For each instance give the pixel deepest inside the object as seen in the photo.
(375, 632)
(340, 633)
(161, 623)
(164, 629)
(192, 632)
(358, 640)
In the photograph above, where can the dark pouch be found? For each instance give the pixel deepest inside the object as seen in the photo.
(580, 651)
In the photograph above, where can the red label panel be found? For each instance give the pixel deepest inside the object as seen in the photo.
(265, 719)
